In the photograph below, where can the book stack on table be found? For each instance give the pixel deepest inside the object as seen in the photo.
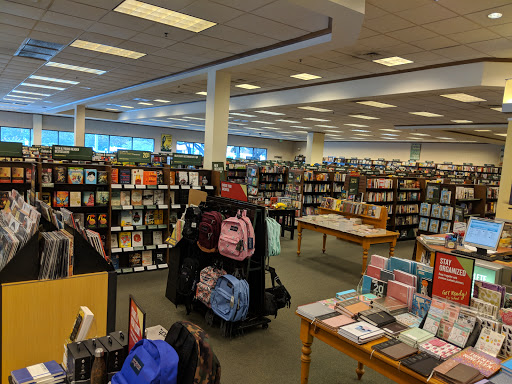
(45, 373)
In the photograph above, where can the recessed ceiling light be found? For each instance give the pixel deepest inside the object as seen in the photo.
(326, 126)
(420, 134)
(53, 80)
(445, 138)
(426, 114)
(392, 61)
(289, 121)
(262, 122)
(75, 68)
(376, 104)
(315, 119)
(316, 109)
(176, 118)
(482, 130)
(331, 130)
(163, 16)
(161, 101)
(202, 93)
(128, 107)
(357, 125)
(359, 130)
(31, 93)
(461, 121)
(464, 97)
(26, 97)
(362, 134)
(415, 138)
(247, 86)
(194, 118)
(112, 109)
(271, 113)
(271, 128)
(241, 114)
(306, 76)
(494, 15)
(499, 109)
(102, 48)
(142, 103)
(389, 130)
(389, 138)
(500, 134)
(300, 127)
(359, 138)
(43, 86)
(389, 134)
(364, 117)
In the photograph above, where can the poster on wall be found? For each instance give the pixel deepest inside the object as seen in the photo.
(415, 151)
(166, 145)
(453, 277)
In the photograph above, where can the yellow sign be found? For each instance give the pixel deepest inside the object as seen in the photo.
(166, 145)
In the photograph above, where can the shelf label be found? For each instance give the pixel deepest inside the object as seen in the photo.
(139, 269)
(176, 206)
(152, 226)
(151, 186)
(163, 206)
(140, 187)
(117, 250)
(162, 226)
(185, 187)
(63, 152)
(149, 247)
(208, 187)
(128, 228)
(128, 249)
(127, 270)
(140, 227)
(162, 246)
(116, 207)
(162, 266)
(162, 186)
(196, 187)
(48, 185)
(150, 206)
(118, 271)
(174, 186)
(151, 267)
(127, 207)
(115, 229)
(130, 156)
(138, 248)
(129, 186)
(117, 186)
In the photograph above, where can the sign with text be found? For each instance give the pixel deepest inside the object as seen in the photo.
(184, 159)
(62, 152)
(136, 323)
(453, 277)
(219, 167)
(353, 186)
(11, 149)
(129, 156)
(233, 191)
(415, 151)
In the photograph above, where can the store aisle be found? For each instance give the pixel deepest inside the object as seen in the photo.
(272, 355)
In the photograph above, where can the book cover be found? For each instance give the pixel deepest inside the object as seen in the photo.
(136, 197)
(80, 219)
(425, 209)
(137, 217)
(378, 261)
(423, 225)
(147, 197)
(116, 198)
(18, 175)
(125, 239)
(28, 175)
(159, 256)
(115, 259)
(91, 176)
(75, 175)
(88, 198)
(157, 238)
(158, 216)
(490, 342)
(137, 176)
(60, 175)
(150, 178)
(158, 197)
(446, 196)
(445, 227)
(420, 305)
(436, 210)
(447, 213)
(91, 221)
(75, 199)
(103, 177)
(61, 198)
(125, 198)
(5, 175)
(182, 177)
(46, 175)
(125, 176)
(172, 178)
(149, 217)
(49, 371)
(373, 271)
(102, 220)
(135, 259)
(147, 258)
(114, 174)
(486, 364)
(434, 226)
(386, 275)
(102, 198)
(137, 239)
(406, 278)
(398, 291)
(113, 242)
(193, 178)
(147, 237)
(126, 218)
(379, 288)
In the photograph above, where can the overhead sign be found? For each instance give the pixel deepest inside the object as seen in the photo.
(233, 191)
(11, 149)
(415, 151)
(184, 159)
(129, 156)
(453, 277)
(62, 152)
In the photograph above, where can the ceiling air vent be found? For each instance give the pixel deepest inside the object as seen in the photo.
(37, 49)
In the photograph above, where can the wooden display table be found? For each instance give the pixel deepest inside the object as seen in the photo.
(361, 353)
(364, 240)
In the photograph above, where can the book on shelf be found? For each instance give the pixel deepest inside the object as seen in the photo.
(88, 198)
(137, 240)
(102, 198)
(147, 258)
(135, 259)
(136, 197)
(102, 220)
(61, 198)
(423, 224)
(75, 199)
(5, 174)
(125, 239)
(150, 178)
(445, 227)
(91, 176)
(137, 217)
(75, 175)
(147, 197)
(434, 226)
(18, 175)
(126, 218)
(125, 198)
(91, 222)
(114, 176)
(46, 175)
(125, 176)
(102, 178)
(137, 176)
(116, 198)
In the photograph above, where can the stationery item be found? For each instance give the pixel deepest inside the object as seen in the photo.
(373, 271)
(360, 332)
(386, 275)
(486, 364)
(420, 305)
(351, 307)
(75, 175)
(313, 310)
(88, 198)
(378, 261)
(422, 363)
(137, 239)
(385, 344)
(335, 322)
(401, 292)
(390, 305)
(379, 287)
(137, 217)
(461, 330)
(125, 239)
(415, 336)
(49, 372)
(456, 373)
(394, 329)
(75, 199)
(399, 351)
(136, 197)
(376, 317)
(345, 295)
(406, 278)
(489, 342)
(439, 348)
(137, 176)
(91, 176)
(409, 320)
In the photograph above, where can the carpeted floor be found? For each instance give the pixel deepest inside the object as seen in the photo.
(272, 355)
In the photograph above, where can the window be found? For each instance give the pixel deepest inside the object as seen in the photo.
(233, 152)
(67, 138)
(49, 138)
(16, 135)
(260, 153)
(140, 144)
(107, 143)
(190, 148)
(246, 153)
(99, 143)
(120, 142)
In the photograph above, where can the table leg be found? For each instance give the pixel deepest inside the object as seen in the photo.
(323, 245)
(360, 370)
(299, 238)
(366, 248)
(392, 248)
(305, 358)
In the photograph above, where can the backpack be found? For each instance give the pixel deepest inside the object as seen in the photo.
(236, 239)
(191, 227)
(209, 231)
(277, 296)
(207, 281)
(273, 236)
(197, 361)
(149, 361)
(187, 280)
(230, 298)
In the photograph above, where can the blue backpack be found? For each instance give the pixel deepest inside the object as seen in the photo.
(230, 298)
(149, 362)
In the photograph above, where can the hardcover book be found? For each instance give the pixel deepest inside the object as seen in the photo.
(102, 198)
(126, 198)
(91, 221)
(423, 226)
(114, 174)
(147, 197)
(137, 217)
(46, 175)
(126, 218)
(102, 221)
(116, 198)
(75, 199)
(158, 197)
(445, 227)
(135, 259)
(88, 198)
(5, 175)
(103, 177)
(61, 199)
(137, 239)
(125, 239)
(157, 238)
(147, 258)
(447, 213)
(137, 176)
(434, 226)
(149, 217)
(60, 175)
(18, 175)
(436, 210)
(486, 364)
(136, 197)
(158, 216)
(91, 176)
(75, 175)
(150, 178)
(425, 209)
(125, 176)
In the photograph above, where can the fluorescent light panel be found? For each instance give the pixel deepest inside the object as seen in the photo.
(376, 104)
(75, 68)
(326, 126)
(461, 121)
(359, 130)
(500, 134)
(445, 138)
(420, 134)
(242, 114)
(315, 119)
(357, 125)
(202, 93)
(392, 61)
(142, 103)
(464, 97)
(261, 122)
(31, 93)
(128, 107)
(482, 130)
(426, 114)
(102, 48)
(247, 86)
(161, 101)
(365, 117)
(316, 109)
(389, 130)
(306, 76)
(389, 134)
(271, 113)
(163, 16)
(289, 121)
(26, 97)
(300, 127)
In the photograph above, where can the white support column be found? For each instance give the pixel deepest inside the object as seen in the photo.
(217, 118)
(315, 148)
(79, 125)
(37, 129)
(504, 208)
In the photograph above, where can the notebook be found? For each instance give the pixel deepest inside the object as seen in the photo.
(399, 351)
(486, 364)
(422, 363)
(312, 311)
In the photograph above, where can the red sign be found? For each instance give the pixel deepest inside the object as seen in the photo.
(453, 278)
(233, 191)
(137, 324)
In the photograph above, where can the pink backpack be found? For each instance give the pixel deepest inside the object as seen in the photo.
(236, 239)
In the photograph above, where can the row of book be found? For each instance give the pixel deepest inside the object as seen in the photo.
(273, 169)
(272, 178)
(407, 208)
(319, 188)
(269, 187)
(406, 220)
(464, 192)
(313, 176)
(434, 225)
(377, 197)
(312, 199)
(16, 175)
(74, 175)
(351, 207)
(138, 197)
(408, 184)
(437, 211)
(128, 239)
(493, 192)
(76, 198)
(408, 196)
(140, 217)
(379, 183)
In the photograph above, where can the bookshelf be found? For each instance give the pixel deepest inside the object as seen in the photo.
(381, 191)
(339, 190)
(293, 189)
(409, 194)
(15, 175)
(316, 186)
(237, 173)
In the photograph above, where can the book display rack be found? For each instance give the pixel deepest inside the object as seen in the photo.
(237, 172)
(15, 175)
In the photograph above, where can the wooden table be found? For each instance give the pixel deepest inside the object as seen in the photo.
(364, 240)
(361, 353)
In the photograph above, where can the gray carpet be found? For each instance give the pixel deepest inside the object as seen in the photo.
(272, 355)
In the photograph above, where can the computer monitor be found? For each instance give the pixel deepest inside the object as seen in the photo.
(483, 234)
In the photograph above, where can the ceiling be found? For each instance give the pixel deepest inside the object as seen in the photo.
(427, 32)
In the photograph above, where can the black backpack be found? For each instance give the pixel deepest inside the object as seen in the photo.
(191, 226)
(187, 281)
(197, 361)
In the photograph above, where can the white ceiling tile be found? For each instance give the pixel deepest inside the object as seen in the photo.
(265, 27)
(401, 49)
(427, 14)
(482, 19)
(126, 21)
(20, 22)
(78, 10)
(57, 29)
(239, 36)
(105, 4)
(214, 12)
(371, 12)
(492, 45)
(389, 23)
(435, 43)
(51, 37)
(380, 41)
(452, 25)
(474, 36)
(16, 9)
(173, 33)
(101, 39)
(66, 20)
(470, 6)
(503, 29)
(399, 5)
(412, 34)
(112, 30)
(161, 42)
(460, 53)
(244, 5)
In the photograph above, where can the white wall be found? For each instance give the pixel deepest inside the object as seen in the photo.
(60, 123)
(478, 154)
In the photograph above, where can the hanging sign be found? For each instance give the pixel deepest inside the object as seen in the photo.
(129, 156)
(183, 159)
(11, 149)
(453, 277)
(62, 152)
(415, 151)
(233, 191)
